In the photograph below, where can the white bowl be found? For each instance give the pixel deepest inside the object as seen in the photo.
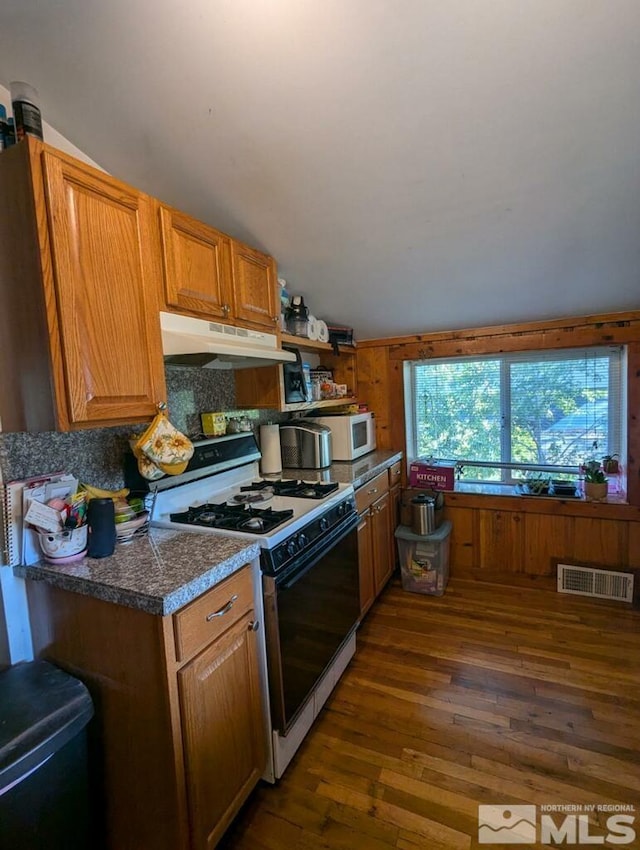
(61, 544)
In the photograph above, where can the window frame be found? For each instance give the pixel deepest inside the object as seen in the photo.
(617, 413)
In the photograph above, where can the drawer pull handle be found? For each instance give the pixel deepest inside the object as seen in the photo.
(254, 625)
(224, 610)
(372, 491)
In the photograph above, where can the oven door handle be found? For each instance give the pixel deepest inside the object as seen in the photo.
(319, 550)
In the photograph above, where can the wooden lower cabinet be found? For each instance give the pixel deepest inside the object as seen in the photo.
(179, 737)
(381, 533)
(374, 539)
(395, 501)
(532, 539)
(223, 738)
(365, 561)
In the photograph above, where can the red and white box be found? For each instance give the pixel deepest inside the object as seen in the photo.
(431, 476)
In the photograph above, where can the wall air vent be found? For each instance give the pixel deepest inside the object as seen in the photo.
(588, 581)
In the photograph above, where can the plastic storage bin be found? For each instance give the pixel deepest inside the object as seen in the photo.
(424, 559)
(44, 796)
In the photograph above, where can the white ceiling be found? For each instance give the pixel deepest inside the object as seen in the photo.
(412, 165)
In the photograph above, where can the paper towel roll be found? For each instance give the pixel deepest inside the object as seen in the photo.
(270, 447)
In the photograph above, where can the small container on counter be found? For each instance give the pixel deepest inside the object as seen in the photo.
(214, 424)
(26, 110)
(102, 528)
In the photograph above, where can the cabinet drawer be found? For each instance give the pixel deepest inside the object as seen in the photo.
(372, 490)
(395, 473)
(212, 613)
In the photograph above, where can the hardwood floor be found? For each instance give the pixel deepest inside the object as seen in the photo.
(487, 695)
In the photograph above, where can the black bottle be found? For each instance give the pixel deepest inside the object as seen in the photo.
(102, 528)
(26, 111)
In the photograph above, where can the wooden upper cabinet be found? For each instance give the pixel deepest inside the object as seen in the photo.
(79, 283)
(254, 287)
(105, 279)
(209, 274)
(197, 265)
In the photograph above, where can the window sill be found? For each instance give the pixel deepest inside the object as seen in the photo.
(512, 490)
(496, 497)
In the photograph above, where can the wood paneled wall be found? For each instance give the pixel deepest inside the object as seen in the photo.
(509, 534)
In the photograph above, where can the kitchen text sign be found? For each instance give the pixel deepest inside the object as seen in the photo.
(431, 476)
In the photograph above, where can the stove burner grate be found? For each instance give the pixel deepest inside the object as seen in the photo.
(233, 517)
(295, 488)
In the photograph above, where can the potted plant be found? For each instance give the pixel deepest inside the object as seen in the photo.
(610, 464)
(537, 483)
(595, 481)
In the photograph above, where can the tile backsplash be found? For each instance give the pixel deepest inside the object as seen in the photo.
(192, 391)
(96, 455)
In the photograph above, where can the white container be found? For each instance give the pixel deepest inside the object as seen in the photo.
(271, 461)
(62, 544)
(424, 559)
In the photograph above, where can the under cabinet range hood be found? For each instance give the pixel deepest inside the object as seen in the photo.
(198, 342)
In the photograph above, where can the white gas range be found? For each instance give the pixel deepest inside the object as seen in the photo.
(307, 532)
(283, 516)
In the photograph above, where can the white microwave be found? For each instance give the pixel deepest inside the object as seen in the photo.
(352, 434)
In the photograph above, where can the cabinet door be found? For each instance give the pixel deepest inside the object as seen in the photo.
(105, 259)
(381, 523)
(197, 265)
(365, 562)
(395, 497)
(223, 730)
(254, 287)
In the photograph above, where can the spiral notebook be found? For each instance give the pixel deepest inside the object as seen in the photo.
(18, 541)
(11, 504)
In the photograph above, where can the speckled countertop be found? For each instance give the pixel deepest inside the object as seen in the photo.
(157, 573)
(357, 472)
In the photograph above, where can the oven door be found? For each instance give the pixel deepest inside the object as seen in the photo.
(310, 610)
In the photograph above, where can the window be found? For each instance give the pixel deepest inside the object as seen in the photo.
(501, 415)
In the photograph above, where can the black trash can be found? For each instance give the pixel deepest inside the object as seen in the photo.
(44, 794)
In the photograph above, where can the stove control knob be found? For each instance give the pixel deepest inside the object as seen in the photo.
(302, 540)
(324, 523)
(292, 547)
(342, 508)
